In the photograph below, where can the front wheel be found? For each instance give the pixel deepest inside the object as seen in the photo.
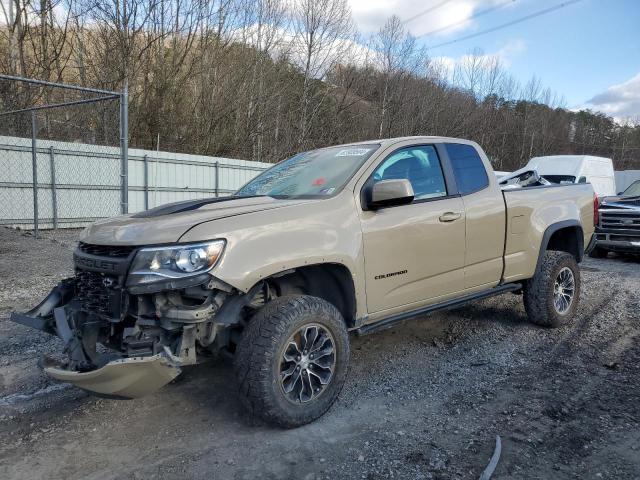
(551, 296)
(291, 362)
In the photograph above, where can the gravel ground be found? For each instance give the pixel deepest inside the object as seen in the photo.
(424, 400)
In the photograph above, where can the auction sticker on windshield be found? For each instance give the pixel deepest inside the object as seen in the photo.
(353, 152)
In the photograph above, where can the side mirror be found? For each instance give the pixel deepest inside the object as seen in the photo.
(389, 193)
(619, 193)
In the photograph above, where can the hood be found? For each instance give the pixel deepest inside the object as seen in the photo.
(621, 202)
(167, 223)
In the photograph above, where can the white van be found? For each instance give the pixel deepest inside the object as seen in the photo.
(598, 171)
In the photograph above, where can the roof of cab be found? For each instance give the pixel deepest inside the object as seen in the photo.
(391, 141)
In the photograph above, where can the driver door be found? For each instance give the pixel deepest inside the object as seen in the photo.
(414, 254)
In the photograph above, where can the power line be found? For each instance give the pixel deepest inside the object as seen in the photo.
(428, 10)
(508, 24)
(472, 17)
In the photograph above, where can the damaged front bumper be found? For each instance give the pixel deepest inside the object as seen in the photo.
(127, 345)
(125, 378)
(128, 342)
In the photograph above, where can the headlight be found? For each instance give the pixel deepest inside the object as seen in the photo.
(163, 263)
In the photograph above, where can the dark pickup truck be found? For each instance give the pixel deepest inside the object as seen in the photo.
(618, 227)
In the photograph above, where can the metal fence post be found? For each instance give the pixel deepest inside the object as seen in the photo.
(217, 169)
(146, 182)
(54, 193)
(34, 167)
(124, 147)
(89, 123)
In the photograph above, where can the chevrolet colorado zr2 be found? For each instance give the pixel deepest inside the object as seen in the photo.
(352, 238)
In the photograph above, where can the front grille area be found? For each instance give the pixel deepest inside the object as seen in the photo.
(95, 294)
(630, 222)
(106, 250)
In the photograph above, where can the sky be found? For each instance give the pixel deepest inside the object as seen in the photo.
(587, 51)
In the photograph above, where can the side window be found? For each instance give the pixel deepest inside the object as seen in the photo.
(420, 165)
(470, 173)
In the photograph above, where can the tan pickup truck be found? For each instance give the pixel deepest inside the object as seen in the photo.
(353, 238)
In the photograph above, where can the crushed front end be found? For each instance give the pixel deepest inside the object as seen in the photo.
(132, 316)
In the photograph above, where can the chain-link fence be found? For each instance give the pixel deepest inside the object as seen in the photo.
(45, 185)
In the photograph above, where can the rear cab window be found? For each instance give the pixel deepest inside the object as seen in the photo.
(468, 168)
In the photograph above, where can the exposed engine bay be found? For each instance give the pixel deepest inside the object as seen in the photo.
(127, 341)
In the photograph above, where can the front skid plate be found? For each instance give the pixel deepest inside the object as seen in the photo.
(127, 378)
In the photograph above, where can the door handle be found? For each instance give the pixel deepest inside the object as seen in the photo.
(450, 216)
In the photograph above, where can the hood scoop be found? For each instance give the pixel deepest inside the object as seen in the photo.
(168, 223)
(179, 207)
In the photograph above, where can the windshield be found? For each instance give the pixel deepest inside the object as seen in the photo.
(314, 174)
(632, 190)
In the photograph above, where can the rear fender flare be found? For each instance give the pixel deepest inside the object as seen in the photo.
(553, 228)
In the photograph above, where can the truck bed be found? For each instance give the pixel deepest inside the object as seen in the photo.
(530, 210)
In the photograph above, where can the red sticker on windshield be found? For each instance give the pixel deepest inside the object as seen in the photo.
(318, 181)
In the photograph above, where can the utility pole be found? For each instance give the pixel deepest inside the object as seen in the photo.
(124, 147)
(531, 148)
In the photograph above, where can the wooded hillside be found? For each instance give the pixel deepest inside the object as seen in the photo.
(261, 79)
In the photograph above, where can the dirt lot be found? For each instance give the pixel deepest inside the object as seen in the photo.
(424, 400)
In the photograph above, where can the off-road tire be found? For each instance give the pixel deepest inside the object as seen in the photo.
(538, 291)
(598, 252)
(258, 356)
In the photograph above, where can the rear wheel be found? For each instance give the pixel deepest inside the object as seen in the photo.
(292, 360)
(551, 297)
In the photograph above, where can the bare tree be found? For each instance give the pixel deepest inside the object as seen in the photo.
(322, 31)
(262, 79)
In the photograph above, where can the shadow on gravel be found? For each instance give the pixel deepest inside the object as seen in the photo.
(508, 313)
(211, 385)
(626, 264)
